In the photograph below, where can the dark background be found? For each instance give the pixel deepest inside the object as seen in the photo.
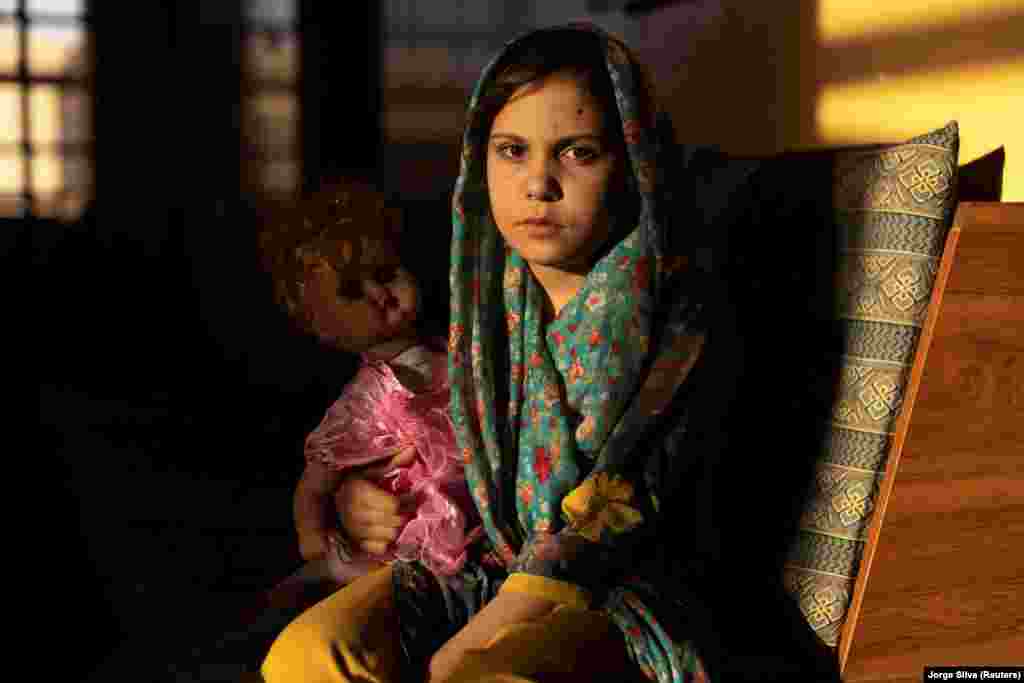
(173, 398)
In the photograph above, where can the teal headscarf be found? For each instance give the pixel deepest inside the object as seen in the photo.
(574, 433)
(556, 423)
(584, 391)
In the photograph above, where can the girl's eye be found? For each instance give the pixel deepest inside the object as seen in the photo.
(511, 150)
(582, 154)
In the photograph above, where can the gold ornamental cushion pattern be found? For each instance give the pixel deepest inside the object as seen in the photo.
(892, 208)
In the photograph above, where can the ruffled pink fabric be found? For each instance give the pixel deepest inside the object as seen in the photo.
(375, 417)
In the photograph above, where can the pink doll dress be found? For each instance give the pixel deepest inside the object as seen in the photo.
(375, 417)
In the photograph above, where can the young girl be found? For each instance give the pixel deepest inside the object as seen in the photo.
(337, 271)
(575, 324)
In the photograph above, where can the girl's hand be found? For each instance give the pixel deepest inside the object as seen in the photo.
(313, 511)
(370, 516)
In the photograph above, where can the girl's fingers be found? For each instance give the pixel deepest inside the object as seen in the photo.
(378, 501)
(369, 513)
(378, 533)
(359, 494)
(377, 518)
(403, 457)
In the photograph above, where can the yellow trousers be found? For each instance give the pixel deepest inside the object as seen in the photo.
(353, 636)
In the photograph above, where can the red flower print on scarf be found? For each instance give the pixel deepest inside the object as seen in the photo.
(480, 496)
(535, 360)
(632, 130)
(541, 463)
(642, 273)
(596, 301)
(576, 370)
(557, 337)
(624, 263)
(454, 337)
(517, 373)
(526, 493)
(595, 338)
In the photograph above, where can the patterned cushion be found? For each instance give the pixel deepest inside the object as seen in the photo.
(892, 208)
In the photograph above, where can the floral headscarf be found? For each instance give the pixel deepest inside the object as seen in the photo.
(552, 422)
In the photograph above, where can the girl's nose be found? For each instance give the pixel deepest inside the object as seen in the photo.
(542, 186)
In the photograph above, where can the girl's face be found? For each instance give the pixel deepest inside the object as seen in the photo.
(550, 166)
(357, 315)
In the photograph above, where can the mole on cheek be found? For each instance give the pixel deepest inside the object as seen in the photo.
(579, 112)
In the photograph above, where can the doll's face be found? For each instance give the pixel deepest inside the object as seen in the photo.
(550, 167)
(357, 313)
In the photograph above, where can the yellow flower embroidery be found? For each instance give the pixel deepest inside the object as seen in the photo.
(513, 278)
(601, 503)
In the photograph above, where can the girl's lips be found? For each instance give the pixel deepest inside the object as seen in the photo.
(540, 228)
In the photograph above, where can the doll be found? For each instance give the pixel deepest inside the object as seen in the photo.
(337, 272)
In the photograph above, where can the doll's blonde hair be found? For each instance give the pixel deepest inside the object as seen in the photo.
(348, 225)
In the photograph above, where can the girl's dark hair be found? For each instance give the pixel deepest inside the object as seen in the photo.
(531, 59)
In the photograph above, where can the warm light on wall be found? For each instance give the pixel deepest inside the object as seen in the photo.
(846, 19)
(879, 79)
(988, 102)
